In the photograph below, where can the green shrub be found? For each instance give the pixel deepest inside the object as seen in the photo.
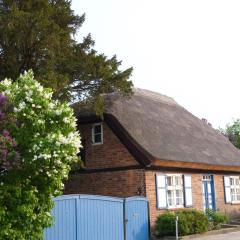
(189, 222)
(165, 224)
(216, 218)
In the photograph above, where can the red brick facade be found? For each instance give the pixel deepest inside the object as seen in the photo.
(112, 153)
(119, 184)
(197, 195)
(152, 196)
(130, 182)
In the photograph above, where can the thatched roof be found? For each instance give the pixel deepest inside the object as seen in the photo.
(167, 131)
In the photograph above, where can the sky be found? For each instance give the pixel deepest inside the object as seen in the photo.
(188, 50)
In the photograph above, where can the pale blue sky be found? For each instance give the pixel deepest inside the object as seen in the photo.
(188, 50)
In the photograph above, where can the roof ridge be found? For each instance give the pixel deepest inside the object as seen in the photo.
(156, 96)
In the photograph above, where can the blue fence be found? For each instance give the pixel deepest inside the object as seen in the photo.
(89, 217)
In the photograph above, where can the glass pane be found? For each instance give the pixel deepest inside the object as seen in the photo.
(233, 194)
(231, 181)
(97, 129)
(178, 180)
(98, 138)
(170, 194)
(179, 201)
(170, 202)
(170, 181)
(238, 197)
(209, 188)
(237, 181)
(179, 193)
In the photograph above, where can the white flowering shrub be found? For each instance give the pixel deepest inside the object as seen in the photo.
(48, 143)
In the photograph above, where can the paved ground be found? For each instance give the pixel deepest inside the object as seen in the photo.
(226, 236)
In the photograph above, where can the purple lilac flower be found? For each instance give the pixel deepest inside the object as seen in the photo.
(1, 115)
(6, 133)
(3, 99)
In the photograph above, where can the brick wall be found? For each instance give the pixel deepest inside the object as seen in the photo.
(112, 153)
(151, 194)
(229, 209)
(119, 184)
(232, 210)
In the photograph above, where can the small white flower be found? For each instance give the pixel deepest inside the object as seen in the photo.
(6, 82)
(7, 92)
(51, 105)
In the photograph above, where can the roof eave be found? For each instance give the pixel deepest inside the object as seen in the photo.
(170, 164)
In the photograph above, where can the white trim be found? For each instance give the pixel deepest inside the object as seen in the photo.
(161, 191)
(227, 189)
(175, 207)
(234, 187)
(188, 198)
(93, 134)
(174, 189)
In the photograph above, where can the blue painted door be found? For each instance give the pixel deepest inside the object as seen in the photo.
(208, 192)
(136, 218)
(65, 220)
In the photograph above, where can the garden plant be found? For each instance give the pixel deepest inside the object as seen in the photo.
(190, 222)
(38, 145)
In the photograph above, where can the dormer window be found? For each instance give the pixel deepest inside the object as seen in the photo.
(97, 134)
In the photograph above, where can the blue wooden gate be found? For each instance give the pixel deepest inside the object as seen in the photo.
(136, 217)
(89, 217)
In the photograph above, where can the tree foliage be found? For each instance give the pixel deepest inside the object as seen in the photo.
(232, 132)
(39, 35)
(42, 143)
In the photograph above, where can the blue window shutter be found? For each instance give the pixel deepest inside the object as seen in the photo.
(188, 190)
(161, 191)
(227, 189)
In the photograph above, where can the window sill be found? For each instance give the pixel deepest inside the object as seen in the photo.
(235, 203)
(172, 208)
(95, 144)
(175, 207)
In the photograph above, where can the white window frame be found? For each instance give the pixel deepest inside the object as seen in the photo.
(174, 188)
(234, 187)
(93, 134)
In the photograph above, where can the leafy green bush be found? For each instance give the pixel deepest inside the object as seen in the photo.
(189, 222)
(45, 142)
(192, 221)
(216, 218)
(165, 224)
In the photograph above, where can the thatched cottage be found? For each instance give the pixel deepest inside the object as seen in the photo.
(149, 145)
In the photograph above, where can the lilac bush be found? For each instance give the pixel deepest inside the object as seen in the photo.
(38, 144)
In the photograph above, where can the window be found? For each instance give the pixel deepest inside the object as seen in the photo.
(235, 188)
(174, 191)
(97, 134)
